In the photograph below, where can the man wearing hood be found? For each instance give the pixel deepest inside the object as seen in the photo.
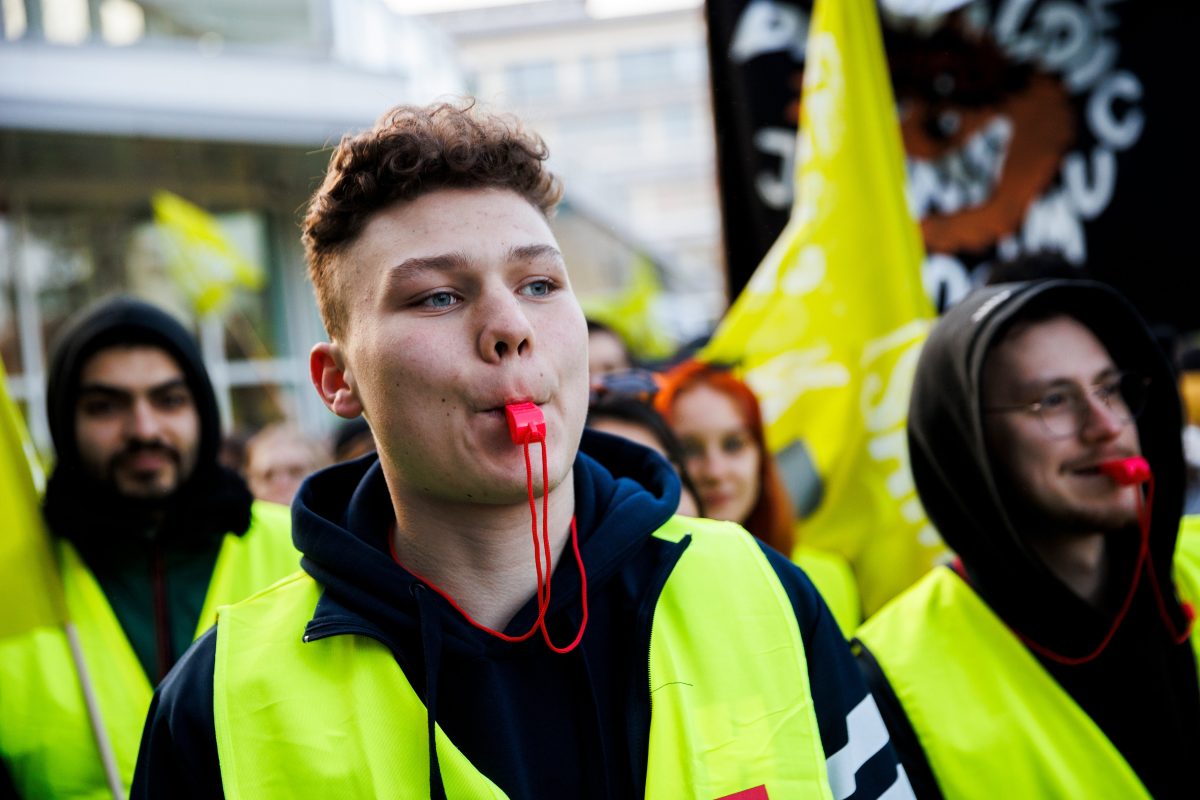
(1054, 659)
(150, 534)
(422, 653)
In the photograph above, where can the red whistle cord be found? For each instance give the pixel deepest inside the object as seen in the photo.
(539, 550)
(1143, 563)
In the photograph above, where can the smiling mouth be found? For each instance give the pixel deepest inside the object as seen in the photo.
(964, 178)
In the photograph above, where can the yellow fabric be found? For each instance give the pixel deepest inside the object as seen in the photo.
(828, 330)
(730, 710)
(202, 260)
(633, 313)
(29, 590)
(833, 578)
(45, 736)
(987, 714)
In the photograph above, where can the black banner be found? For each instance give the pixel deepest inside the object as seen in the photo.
(1030, 125)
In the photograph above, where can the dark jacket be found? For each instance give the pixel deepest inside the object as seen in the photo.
(536, 723)
(1142, 689)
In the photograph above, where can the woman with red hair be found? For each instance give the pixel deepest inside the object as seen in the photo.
(717, 419)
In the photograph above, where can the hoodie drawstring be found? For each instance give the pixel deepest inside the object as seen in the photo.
(543, 578)
(431, 646)
(1144, 563)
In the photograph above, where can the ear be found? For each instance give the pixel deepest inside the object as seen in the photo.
(332, 380)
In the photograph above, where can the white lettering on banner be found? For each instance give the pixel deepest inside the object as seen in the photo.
(824, 93)
(775, 189)
(1076, 41)
(1065, 31)
(1052, 224)
(1008, 23)
(807, 274)
(780, 381)
(768, 27)
(1090, 199)
(884, 406)
(1098, 61)
(892, 447)
(1120, 134)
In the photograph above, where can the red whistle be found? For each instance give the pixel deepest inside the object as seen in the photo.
(1126, 471)
(525, 423)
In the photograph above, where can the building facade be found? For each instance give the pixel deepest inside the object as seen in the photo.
(234, 107)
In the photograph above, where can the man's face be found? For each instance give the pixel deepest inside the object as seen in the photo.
(458, 303)
(1057, 478)
(136, 423)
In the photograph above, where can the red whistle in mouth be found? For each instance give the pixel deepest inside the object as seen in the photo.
(525, 423)
(1126, 471)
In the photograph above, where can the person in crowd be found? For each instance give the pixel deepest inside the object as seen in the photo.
(1189, 392)
(352, 440)
(607, 352)
(718, 420)
(150, 534)
(1055, 658)
(279, 458)
(422, 653)
(621, 405)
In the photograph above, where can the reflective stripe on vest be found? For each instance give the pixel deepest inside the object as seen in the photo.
(45, 736)
(731, 708)
(997, 722)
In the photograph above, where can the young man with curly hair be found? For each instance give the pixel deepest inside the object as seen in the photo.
(422, 653)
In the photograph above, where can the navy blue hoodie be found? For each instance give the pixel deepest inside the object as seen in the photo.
(537, 723)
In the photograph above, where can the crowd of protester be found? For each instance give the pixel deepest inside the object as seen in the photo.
(418, 653)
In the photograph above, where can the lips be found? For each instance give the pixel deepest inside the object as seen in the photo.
(1091, 466)
(146, 459)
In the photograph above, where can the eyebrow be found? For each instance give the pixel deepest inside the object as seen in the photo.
(447, 262)
(1108, 371)
(122, 391)
(533, 252)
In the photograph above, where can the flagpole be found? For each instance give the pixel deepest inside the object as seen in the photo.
(108, 758)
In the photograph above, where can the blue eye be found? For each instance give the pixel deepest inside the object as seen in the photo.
(537, 288)
(439, 300)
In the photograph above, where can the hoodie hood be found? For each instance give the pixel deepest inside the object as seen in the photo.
(342, 517)
(212, 500)
(954, 471)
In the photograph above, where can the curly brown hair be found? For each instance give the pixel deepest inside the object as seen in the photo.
(412, 151)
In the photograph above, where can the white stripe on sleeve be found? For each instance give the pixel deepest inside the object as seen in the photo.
(868, 736)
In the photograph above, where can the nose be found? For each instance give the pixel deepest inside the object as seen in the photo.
(705, 467)
(1102, 422)
(144, 424)
(506, 330)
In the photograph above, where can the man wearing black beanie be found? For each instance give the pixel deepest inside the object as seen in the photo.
(151, 534)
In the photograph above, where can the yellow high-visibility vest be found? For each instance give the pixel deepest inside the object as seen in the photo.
(988, 715)
(337, 717)
(46, 738)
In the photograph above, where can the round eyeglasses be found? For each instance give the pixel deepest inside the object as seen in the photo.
(1064, 408)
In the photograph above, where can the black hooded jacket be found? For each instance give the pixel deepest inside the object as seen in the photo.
(133, 547)
(1142, 689)
(537, 723)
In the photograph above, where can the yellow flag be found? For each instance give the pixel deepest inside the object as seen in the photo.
(29, 586)
(828, 329)
(633, 313)
(202, 260)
